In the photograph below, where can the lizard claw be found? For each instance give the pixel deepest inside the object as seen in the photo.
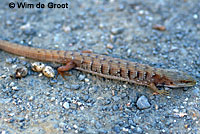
(157, 91)
(63, 74)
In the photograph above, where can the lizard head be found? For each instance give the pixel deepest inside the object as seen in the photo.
(177, 79)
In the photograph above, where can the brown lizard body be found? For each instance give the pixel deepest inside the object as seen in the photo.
(105, 66)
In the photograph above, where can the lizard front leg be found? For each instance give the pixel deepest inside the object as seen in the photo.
(155, 89)
(62, 70)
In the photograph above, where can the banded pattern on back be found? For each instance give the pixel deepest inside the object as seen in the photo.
(113, 68)
(101, 65)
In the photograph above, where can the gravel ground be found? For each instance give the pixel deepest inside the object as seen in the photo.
(89, 104)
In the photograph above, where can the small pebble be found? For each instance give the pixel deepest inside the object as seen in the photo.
(75, 87)
(66, 105)
(195, 16)
(30, 98)
(196, 92)
(73, 106)
(14, 66)
(37, 66)
(12, 84)
(3, 76)
(56, 46)
(30, 31)
(101, 25)
(53, 81)
(81, 129)
(143, 103)
(115, 107)
(67, 86)
(139, 130)
(159, 27)
(11, 114)
(9, 61)
(53, 99)
(81, 77)
(9, 22)
(110, 46)
(15, 96)
(117, 30)
(156, 106)
(9, 120)
(102, 131)
(79, 103)
(26, 26)
(4, 101)
(116, 98)
(15, 88)
(40, 74)
(81, 107)
(87, 80)
(20, 119)
(4, 132)
(21, 72)
(141, 12)
(98, 125)
(116, 129)
(62, 124)
(129, 52)
(48, 72)
(75, 126)
(66, 29)
(186, 126)
(176, 110)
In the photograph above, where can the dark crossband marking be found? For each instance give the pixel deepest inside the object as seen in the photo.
(129, 74)
(109, 70)
(101, 69)
(90, 65)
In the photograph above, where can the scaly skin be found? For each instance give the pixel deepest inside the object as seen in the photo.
(105, 66)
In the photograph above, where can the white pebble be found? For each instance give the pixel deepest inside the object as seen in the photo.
(30, 98)
(176, 110)
(48, 72)
(53, 99)
(82, 108)
(87, 80)
(195, 16)
(37, 66)
(75, 126)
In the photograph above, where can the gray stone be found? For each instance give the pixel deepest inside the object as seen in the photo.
(143, 103)
(75, 87)
(66, 105)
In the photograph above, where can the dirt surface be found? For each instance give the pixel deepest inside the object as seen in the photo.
(163, 34)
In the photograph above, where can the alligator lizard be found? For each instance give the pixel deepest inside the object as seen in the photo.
(105, 66)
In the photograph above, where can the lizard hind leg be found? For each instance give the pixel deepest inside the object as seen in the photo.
(155, 89)
(62, 70)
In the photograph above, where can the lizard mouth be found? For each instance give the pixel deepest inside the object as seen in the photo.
(182, 83)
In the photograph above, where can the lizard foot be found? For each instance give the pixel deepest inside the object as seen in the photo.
(155, 89)
(63, 74)
(62, 70)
